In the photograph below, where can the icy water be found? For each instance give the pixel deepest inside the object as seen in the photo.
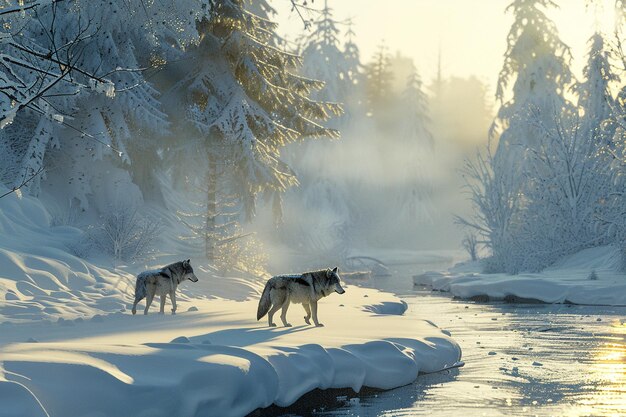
(522, 360)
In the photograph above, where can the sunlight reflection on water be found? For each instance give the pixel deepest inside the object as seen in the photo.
(520, 360)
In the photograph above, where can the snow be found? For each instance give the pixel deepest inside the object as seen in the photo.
(105, 87)
(567, 281)
(217, 360)
(70, 347)
(40, 277)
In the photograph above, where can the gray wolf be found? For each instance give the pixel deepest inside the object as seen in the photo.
(162, 282)
(305, 289)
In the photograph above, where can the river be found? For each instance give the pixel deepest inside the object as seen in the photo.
(521, 359)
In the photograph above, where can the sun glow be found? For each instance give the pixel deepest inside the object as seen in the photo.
(457, 32)
(609, 366)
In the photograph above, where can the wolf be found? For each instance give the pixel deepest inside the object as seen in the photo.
(162, 281)
(305, 289)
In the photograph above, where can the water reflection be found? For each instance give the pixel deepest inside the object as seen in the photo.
(608, 370)
(520, 360)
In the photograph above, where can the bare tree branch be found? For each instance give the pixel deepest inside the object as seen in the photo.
(23, 183)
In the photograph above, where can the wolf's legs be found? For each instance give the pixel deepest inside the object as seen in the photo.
(163, 299)
(307, 308)
(135, 306)
(283, 314)
(270, 314)
(173, 298)
(149, 298)
(277, 298)
(314, 310)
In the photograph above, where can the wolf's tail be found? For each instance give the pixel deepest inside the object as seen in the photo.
(140, 288)
(265, 302)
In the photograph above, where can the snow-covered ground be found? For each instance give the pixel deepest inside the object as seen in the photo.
(571, 280)
(215, 360)
(40, 278)
(70, 347)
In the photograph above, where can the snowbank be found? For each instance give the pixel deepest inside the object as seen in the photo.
(38, 269)
(42, 279)
(567, 281)
(214, 361)
(69, 347)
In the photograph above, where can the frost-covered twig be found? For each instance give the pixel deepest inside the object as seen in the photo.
(21, 6)
(23, 183)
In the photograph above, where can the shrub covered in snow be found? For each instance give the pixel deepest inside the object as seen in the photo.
(124, 234)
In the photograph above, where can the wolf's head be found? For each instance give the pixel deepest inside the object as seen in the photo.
(188, 271)
(334, 281)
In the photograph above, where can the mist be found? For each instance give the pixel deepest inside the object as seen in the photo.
(393, 179)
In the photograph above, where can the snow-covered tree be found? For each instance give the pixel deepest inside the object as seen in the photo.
(352, 68)
(414, 105)
(239, 102)
(535, 75)
(494, 195)
(40, 80)
(554, 207)
(594, 92)
(325, 60)
(351, 89)
(21, 63)
(510, 189)
(322, 55)
(378, 78)
(620, 30)
(620, 52)
(104, 107)
(567, 185)
(416, 141)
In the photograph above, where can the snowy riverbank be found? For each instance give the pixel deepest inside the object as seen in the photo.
(70, 347)
(216, 360)
(568, 281)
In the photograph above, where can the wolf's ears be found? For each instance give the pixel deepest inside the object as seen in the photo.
(335, 269)
(186, 262)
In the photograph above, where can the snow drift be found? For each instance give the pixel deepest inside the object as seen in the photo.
(70, 348)
(213, 361)
(40, 277)
(591, 276)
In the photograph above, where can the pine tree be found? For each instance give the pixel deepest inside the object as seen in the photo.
(594, 92)
(536, 70)
(241, 103)
(415, 195)
(378, 77)
(352, 94)
(352, 58)
(414, 103)
(323, 60)
(527, 178)
(620, 40)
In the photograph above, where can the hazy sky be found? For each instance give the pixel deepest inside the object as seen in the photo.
(472, 33)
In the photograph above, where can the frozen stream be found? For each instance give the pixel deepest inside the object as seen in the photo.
(530, 359)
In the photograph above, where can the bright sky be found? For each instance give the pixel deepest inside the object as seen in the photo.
(471, 33)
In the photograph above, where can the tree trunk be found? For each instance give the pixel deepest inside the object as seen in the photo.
(211, 209)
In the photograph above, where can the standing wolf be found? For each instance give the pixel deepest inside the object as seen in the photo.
(305, 289)
(162, 281)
